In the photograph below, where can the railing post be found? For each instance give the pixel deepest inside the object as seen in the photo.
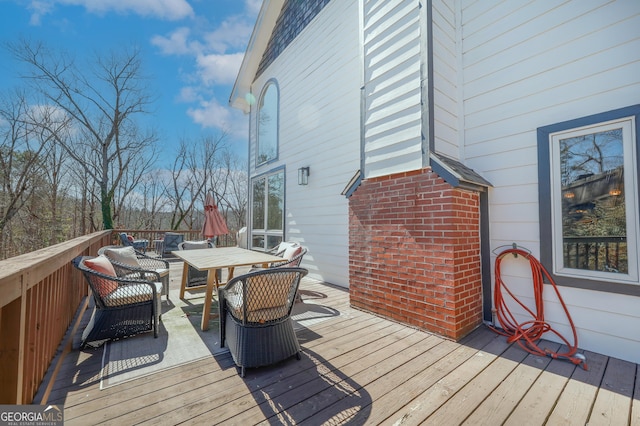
(11, 350)
(22, 340)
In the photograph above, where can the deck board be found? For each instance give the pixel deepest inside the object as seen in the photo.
(613, 402)
(445, 358)
(464, 403)
(358, 368)
(574, 404)
(635, 408)
(500, 402)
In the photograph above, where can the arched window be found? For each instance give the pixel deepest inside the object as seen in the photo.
(267, 149)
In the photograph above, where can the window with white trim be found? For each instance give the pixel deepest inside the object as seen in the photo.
(589, 220)
(267, 210)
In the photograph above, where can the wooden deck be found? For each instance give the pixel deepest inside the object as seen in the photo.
(359, 369)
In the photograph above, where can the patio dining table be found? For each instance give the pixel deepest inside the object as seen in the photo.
(211, 260)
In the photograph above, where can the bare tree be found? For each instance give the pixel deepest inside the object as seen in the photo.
(231, 190)
(103, 100)
(54, 176)
(21, 146)
(192, 175)
(153, 193)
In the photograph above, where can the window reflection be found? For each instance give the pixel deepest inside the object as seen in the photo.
(258, 204)
(268, 124)
(267, 211)
(276, 201)
(594, 222)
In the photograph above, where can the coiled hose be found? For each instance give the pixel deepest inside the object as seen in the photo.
(526, 334)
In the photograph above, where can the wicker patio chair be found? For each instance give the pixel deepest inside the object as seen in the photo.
(294, 262)
(197, 278)
(282, 247)
(291, 252)
(255, 316)
(123, 306)
(170, 243)
(140, 245)
(127, 261)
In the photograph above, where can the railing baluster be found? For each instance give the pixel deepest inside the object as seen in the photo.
(595, 253)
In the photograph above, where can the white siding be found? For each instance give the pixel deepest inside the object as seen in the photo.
(392, 113)
(445, 79)
(531, 64)
(318, 76)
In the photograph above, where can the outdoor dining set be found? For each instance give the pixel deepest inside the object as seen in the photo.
(128, 283)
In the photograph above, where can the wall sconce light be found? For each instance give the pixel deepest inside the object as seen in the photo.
(303, 176)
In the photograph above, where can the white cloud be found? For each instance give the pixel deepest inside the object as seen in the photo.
(38, 9)
(210, 114)
(217, 55)
(177, 43)
(189, 94)
(233, 33)
(218, 69)
(163, 9)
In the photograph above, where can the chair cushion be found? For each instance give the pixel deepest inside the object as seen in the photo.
(141, 275)
(292, 252)
(254, 314)
(126, 295)
(125, 255)
(283, 246)
(102, 265)
(194, 245)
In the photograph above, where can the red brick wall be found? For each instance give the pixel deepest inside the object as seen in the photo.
(414, 252)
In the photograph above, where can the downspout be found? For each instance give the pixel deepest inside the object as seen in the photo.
(248, 222)
(485, 258)
(363, 95)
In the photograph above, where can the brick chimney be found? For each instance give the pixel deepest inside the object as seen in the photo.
(414, 252)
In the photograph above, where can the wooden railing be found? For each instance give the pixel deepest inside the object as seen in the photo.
(40, 293)
(607, 254)
(228, 240)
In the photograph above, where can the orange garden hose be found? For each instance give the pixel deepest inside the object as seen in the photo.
(528, 333)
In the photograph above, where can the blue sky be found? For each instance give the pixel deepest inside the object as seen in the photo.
(192, 49)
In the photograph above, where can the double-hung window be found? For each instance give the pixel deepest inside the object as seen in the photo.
(589, 219)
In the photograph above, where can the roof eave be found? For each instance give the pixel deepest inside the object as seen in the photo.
(457, 174)
(265, 23)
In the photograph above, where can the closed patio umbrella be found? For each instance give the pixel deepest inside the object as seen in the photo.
(214, 223)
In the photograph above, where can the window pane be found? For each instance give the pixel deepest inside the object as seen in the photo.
(276, 202)
(268, 125)
(258, 204)
(594, 221)
(267, 211)
(257, 242)
(273, 241)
